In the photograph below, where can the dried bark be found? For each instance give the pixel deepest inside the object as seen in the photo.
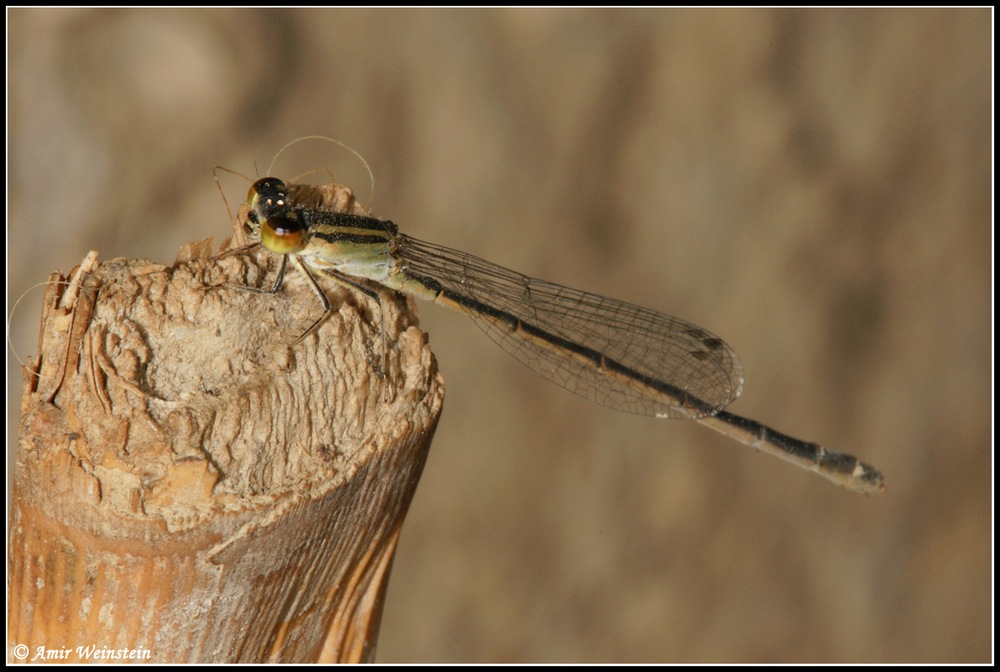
(193, 484)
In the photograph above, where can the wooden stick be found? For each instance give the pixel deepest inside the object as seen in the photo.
(190, 487)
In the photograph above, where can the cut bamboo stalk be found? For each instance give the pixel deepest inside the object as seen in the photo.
(191, 485)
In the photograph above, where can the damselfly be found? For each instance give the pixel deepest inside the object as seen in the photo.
(617, 354)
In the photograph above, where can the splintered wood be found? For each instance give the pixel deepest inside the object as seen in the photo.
(191, 487)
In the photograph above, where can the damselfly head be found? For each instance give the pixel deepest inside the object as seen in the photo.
(271, 217)
(268, 196)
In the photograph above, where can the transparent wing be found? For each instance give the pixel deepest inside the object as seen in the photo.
(614, 353)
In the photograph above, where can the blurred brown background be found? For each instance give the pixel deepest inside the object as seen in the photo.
(813, 186)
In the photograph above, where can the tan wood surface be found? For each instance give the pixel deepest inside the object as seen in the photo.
(192, 485)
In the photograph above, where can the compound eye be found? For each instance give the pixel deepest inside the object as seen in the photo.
(282, 235)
